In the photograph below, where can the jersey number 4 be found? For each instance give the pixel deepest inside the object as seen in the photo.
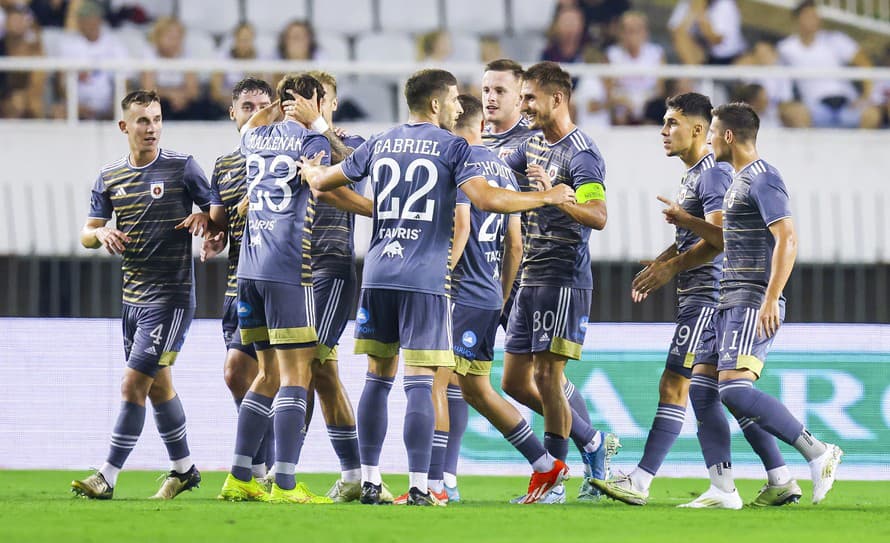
(264, 197)
(389, 207)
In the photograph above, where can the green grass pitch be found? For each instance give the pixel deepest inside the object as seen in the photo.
(37, 506)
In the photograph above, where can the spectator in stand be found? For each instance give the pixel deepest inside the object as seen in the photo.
(567, 38)
(241, 47)
(50, 12)
(180, 91)
(435, 47)
(490, 49)
(707, 31)
(95, 88)
(832, 102)
(590, 100)
(296, 41)
(603, 19)
(628, 95)
(781, 108)
(21, 93)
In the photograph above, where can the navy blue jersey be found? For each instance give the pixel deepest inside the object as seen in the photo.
(148, 203)
(415, 170)
(277, 241)
(701, 193)
(477, 275)
(506, 142)
(332, 244)
(756, 199)
(555, 252)
(229, 180)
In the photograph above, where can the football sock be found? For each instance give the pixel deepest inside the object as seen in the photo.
(810, 447)
(579, 411)
(170, 420)
(420, 421)
(372, 418)
(665, 429)
(713, 428)
(253, 418)
(721, 476)
(344, 439)
(458, 414)
(778, 476)
(641, 479)
(126, 433)
(762, 442)
(437, 458)
(290, 417)
(523, 438)
(556, 445)
(746, 401)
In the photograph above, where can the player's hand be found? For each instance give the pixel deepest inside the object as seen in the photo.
(243, 205)
(673, 213)
(538, 177)
(212, 247)
(559, 195)
(303, 110)
(197, 224)
(112, 239)
(655, 275)
(770, 318)
(310, 167)
(340, 132)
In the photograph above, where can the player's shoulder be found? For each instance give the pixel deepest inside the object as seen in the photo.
(711, 170)
(761, 173)
(168, 158)
(114, 166)
(481, 153)
(353, 140)
(229, 159)
(582, 144)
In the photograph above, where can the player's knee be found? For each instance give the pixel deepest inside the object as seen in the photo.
(325, 382)
(673, 388)
(546, 378)
(515, 388)
(134, 390)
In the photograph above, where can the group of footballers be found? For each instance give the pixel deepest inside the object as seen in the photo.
(482, 213)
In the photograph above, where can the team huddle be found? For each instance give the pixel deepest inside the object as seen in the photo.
(482, 214)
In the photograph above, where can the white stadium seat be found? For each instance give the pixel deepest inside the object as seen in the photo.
(532, 15)
(416, 16)
(343, 16)
(220, 19)
(199, 44)
(272, 15)
(465, 47)
(333, 47)
(134, 39)
(477, 16)
(392, 47)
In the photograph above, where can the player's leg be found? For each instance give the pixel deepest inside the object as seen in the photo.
(376, 333)
(458, 416)
(741, 361)
(333, 300)
(254, 416)
(425, 349)
(441, 433)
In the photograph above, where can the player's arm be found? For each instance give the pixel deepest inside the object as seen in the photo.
(589, 208)
(461, 233)
(784, 254)
(346, 199)
(676, 215)
(659, 273)
(498, 200)
(665, 255)
(95, 234)
(512, 255)
(266, 116)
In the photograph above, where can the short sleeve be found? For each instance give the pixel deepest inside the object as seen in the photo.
(459, 156)
(214, 178)
(197, 186)
(462, 198)
(677, 16)
(357, 166)
(724, 18)
(711, 188)
(314, 143)
(100, 201)
(844, 46)
(517, 160)
(771, 197)
(587, 167)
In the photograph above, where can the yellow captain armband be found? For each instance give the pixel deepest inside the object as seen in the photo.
(590, 191)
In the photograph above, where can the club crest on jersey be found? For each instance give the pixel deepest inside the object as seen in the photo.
(552, 171)
(730, 198)
(684, 190)
(504, 153)
(157, 190)
(468, 338)
(393, 249)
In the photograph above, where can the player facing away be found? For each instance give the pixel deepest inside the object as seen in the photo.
(276, 310)
(549, 318)
(333, 286)
(760, 245)
(151, 192)
(698, 266)
(229, 180)
(415, 171)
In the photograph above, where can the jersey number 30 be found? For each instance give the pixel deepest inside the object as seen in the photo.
(389, 208)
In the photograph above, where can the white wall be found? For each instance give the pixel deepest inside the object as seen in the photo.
(837, 182)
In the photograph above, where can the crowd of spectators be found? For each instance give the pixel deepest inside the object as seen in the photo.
(616, 32)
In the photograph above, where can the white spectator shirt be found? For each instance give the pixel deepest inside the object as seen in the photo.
(590, 89)
(637, 89)
(829, 49)
(881, 92)
(97, 90)
(725, 20)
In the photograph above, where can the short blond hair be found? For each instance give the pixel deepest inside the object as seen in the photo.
(325, 78)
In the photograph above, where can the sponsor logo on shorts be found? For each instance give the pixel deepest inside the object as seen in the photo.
(544, 337)
(675, 351)
(151, 350)
(362, 316)
(468, 338)
(157, 190)
(244, 309)
(464, 352)
(393, 249)
(582, 323)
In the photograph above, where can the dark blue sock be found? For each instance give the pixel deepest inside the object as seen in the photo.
(744, 400)
(372, 417)
(290, 417)
(170, 420)
(763, 443)
(126, 433)
(580, 434)
(437, 458)
(344, 439)
(557, 446)
(420, 421)
(713, 428)
(458, 414)
(253, 419)
(665, 429)
(523, 438)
